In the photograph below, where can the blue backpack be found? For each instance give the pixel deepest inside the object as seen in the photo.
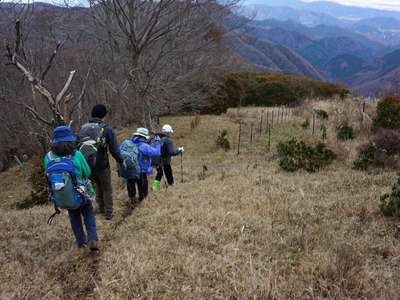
(131, 168)
(61, 177)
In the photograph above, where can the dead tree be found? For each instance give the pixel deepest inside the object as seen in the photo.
(56, 103)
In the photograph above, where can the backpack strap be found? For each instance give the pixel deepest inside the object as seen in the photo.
(51, 218)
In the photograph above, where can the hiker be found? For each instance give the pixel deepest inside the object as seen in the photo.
(65, 159)
(145, 152)
(164, 164)
(101, 173)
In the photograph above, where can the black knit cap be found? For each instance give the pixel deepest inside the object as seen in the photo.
(99, 111)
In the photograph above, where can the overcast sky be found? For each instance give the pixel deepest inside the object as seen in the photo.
(383, 4)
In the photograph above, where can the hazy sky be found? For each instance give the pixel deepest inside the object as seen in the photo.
(383, 4)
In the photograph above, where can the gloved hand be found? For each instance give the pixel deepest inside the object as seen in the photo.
(157, 138)
(180, 149)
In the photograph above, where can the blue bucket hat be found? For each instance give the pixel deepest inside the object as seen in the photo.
(62, 134)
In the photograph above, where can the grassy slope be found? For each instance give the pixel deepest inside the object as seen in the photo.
(242, 229)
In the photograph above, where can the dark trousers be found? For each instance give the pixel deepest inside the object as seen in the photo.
(142, 186)
(102, 184)
(75, 217)
(168, 173)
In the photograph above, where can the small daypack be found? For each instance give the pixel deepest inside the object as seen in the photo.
(157, 160)
(130, 154)
(63, 184)
(91, 138)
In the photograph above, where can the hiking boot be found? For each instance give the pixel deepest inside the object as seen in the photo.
(109, 217)
(92, 244)
(156, 185)
(133, 200)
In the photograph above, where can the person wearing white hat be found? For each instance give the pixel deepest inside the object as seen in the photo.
(167, 150)
(145, 153)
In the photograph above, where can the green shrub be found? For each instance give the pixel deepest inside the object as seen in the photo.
(266, 89)
(39, 194)
(390, 202)
(387, 114)
(366, 157)
(345, 132)
(222, 140)
(298, 155)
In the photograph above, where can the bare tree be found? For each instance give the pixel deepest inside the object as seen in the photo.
(164, 47)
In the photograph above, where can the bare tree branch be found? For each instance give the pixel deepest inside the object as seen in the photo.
(49, 64)
(65, 88)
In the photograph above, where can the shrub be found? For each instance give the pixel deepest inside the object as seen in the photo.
(222, 140)
(366, 157)
(345, 132)
(321, 114)
(390, 202)
(387, 114)
(39, 194)
(387, 140)
(266, 89)
(298, 155)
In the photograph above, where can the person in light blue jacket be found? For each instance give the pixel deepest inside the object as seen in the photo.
(146, 151)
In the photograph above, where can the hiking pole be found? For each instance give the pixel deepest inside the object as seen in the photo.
(181, 166)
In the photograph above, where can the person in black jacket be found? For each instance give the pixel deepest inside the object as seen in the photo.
(101, 173)
(167, 150)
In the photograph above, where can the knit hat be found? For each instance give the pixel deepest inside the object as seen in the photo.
(144, 132)
(167, 128)
(99, 111)
(62, 134)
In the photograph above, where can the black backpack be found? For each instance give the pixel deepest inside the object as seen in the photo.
(156, 160)
(91, 138)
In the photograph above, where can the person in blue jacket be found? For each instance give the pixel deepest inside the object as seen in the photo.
(146, 151)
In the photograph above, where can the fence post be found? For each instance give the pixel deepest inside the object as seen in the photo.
(272, 119)
(261, 122)
(269, 137)
(313, 123)
(240, 131)
(266, 129)
(251, 133)
(363, 111)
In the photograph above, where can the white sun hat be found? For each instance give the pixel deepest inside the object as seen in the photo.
(144, 132)
(167, 128)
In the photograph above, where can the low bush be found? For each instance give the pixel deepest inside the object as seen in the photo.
(365, 158)
(387, 114)
(345, 132)
(390, 202)
(39, 194)
(387, 140)
(297, 155)
(267, 89)
(222, 140)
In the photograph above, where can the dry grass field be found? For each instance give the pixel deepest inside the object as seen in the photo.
(238, 227)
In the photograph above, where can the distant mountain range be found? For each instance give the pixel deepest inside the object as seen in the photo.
(344, 12)
(357, 46)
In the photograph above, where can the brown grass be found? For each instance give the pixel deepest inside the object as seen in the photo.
(240, 229)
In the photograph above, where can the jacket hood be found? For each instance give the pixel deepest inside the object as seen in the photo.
(138, 139)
